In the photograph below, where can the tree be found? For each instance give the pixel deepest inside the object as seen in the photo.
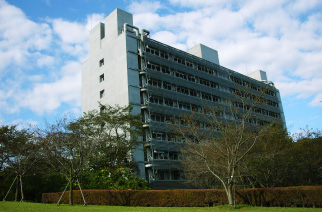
(116, 132)
(218, 139)
(97, 140)
(269, 164)
(18, 154)
(67, 147)
(306, 157)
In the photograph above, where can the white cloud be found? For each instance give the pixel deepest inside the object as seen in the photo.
(19, 36)
(302, 6)
(144, 6)
(201, 3)
(47, 97)
(44, 60)
(75, 32)
(70, 32)
(169, 38)
(301, 89)
(39, 78)
(317, 101)
(74, 36)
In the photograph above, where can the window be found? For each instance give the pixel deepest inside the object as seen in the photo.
(181, 75)
(204, 82)
(165, 70)
(152, 50)
(157, 117)
(169, 102)
(173, 155)
(190, 64)
(201, 68)
(156, 83)
(206, 96)
(162, 175)
(191, 78)
(193, 92)
(101, 63)
(153, 66)
(158, 136)
(167, 86)
(102, 93)
(179, 60)
(160, 155)
(213, 85)
(156, 99)
(101, 77)
(183, 90)
(184, 106)
(216, 98)
(164, 55)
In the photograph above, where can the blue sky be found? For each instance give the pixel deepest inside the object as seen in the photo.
(44, 42)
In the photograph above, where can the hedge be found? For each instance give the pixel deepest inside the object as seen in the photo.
(301, 196)
(306, 196)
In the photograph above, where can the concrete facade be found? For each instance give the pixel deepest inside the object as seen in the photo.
(126, 67)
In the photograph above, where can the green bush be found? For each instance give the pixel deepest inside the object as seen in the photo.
(119, 179)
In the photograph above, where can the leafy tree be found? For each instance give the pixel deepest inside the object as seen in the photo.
(269, 163)
(67, 147)
(116, 133)
(97, 140)
(218, 140)
(18, 154)
(306, 157)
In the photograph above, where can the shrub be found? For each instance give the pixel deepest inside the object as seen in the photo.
(305, 196)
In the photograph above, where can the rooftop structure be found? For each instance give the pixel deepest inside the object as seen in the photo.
(125, 66)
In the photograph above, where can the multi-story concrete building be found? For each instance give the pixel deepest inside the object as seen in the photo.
(126, 67)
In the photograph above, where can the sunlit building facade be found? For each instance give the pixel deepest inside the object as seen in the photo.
(125, 66)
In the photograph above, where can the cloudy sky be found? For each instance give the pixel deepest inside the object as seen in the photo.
(44, 42)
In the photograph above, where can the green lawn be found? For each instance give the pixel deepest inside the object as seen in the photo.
(25, 206)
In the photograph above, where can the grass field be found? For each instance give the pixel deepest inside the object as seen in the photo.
(25, 206)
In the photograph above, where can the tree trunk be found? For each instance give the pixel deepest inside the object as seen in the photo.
(21, 191)
(230, 195)
(71, 181)
(17, 190)
(71, 202)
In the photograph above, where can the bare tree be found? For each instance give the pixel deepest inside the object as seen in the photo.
(218, 139)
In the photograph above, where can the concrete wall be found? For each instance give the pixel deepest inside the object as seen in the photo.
(258, 75)
(113, 49)
(205, 52)
(109, 42)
